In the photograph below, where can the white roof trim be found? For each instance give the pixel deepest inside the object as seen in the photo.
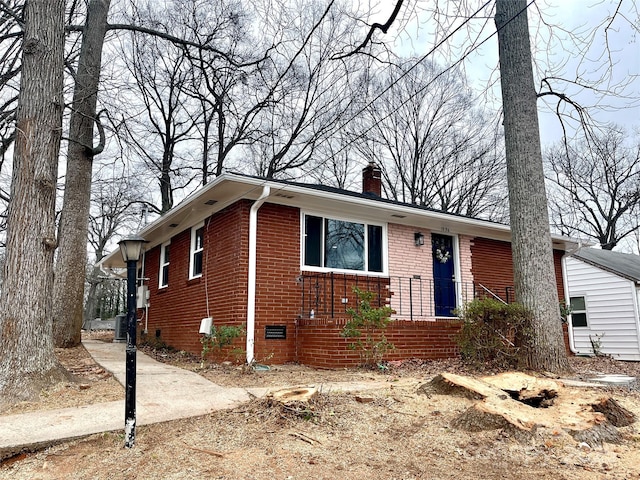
(229, 188)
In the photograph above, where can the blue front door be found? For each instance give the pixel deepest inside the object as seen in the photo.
(444, 288)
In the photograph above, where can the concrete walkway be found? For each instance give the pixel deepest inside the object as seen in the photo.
(163, 393)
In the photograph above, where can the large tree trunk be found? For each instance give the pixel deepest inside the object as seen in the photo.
(534, 274)
(28, 360)
(71, 264)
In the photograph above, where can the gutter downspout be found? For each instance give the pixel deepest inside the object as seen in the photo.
(146, 302)
(251, 274)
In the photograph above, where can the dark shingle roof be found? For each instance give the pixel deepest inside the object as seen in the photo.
(369, 196)
(623, 264)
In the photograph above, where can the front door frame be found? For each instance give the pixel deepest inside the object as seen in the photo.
(453, 295)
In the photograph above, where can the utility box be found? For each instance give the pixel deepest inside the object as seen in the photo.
(121, 329)
(142, 297)
(205, 325)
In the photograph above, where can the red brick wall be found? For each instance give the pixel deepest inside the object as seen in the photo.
(278, 296)
(320, 343)
(178, 309)
(557, 263)
(492, 266)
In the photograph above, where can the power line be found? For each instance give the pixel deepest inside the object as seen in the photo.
(409, 70)
(424, 57)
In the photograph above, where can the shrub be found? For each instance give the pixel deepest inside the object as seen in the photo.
(367, 327)
(220, 338)
(492, 333)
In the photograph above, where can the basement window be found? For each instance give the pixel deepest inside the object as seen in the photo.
(275, 332)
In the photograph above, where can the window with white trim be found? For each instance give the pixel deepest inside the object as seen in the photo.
(342, 245)
(197, 248)
(578, 312)
(163, 280)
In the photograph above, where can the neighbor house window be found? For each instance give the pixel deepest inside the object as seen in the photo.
(197, 247)
(578, 312)
(163, 281)
(342, 245)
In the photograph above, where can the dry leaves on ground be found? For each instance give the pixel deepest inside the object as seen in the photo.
(392, 432)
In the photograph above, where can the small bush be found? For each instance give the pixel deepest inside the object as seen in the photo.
(220, 338)
(367, 327)
(492, 333)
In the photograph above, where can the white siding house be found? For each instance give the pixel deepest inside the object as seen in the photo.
(603, 288)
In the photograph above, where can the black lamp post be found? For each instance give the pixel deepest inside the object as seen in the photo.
(131, 248)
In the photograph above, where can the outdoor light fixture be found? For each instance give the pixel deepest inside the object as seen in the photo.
(418, 238)
(131, 248)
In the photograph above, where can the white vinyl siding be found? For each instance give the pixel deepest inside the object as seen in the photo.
(611, 311)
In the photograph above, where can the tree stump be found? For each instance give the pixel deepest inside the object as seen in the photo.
(297, 394)
(521, 403)
(616, 414)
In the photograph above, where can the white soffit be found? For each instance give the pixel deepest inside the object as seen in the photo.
(229, 188)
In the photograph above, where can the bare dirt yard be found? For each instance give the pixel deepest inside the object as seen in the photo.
(399, 430)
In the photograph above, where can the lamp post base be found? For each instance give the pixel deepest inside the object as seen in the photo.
(129, 432)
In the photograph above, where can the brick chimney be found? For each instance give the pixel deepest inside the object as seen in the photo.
(372, 180)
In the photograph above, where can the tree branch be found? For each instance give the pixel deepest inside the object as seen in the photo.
(100, 147)
(177, 41)
(384, 27)
(16, 14)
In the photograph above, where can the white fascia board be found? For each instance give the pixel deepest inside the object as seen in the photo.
(374, 209)
(229, 188)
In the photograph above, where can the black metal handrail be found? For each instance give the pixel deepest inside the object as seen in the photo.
(412, 298)
(331, 294)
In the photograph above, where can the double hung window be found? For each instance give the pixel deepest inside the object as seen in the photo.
(197, 248)
(578, 312)
(163, 281)
(342, 245)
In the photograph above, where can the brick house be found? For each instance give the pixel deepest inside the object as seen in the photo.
(282, 258)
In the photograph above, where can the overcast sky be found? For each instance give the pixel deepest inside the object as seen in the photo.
(554, 51)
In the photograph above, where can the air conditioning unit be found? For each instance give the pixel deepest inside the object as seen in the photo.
(142, 297)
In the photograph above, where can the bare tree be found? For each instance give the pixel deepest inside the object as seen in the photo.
(279, 107)
(310, 91)
(336, 161)
(72, 230)
(72, 235)
(28, 360)
(533, 268)
(10, 42)
(434, 145)
(595, 190)
(163, 123)
(115, 206)
(229, 92)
